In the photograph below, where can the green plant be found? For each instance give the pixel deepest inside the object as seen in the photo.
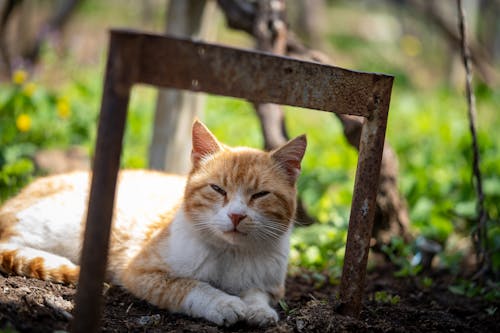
(491, 310)
(399, 252)
(489, 291)
(285, 307)
(385, 297)
(31, 118)
(318, 248)
(427, 282)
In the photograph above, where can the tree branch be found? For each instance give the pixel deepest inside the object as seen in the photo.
(55, 24)
(477, 53)
(480, 235)
(7, 10)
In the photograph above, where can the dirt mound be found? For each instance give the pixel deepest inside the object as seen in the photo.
(391, 305)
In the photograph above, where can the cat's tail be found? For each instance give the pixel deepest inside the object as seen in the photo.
(38, 264)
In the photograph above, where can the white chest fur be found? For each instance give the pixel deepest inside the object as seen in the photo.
(227, 268)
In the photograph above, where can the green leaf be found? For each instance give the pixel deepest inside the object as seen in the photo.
(466, 208)
(457, 289)
(491, 186)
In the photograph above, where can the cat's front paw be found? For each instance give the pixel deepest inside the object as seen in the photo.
(226, 310)
(261, 315)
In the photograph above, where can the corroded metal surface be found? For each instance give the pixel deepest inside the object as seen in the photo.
(258, 77)
(101, 200)
(363, 205)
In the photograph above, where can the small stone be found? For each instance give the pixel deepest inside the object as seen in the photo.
(25, 289)
(57, 302)
(152, 320)
(300, 324)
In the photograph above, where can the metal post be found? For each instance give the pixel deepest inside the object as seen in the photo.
(101, 201)
(364, 200)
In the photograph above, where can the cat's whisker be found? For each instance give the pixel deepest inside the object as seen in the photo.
(299, 223)
(204, 228)
(276, 226)
(263, 235)
(271, 232)
(277, 232)
(268, 239)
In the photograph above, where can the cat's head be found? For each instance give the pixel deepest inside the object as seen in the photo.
(241, 196)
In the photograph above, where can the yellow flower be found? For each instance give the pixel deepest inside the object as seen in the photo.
(19, 76)
(23, 122)
(29, 89)
(410, 45)
(63, 108)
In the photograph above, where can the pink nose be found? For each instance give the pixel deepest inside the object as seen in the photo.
(236, 218)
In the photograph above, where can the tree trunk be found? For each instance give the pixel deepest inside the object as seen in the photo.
(175, 110)
(8, 7)
(310, 21)
(488, 27)
(61, 15)
(270, 31)
(28, 39)
(270, 34)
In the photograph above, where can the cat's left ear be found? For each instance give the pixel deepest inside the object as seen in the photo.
(204, 143)
(290, 155)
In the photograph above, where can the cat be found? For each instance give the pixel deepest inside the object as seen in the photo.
(211, 245)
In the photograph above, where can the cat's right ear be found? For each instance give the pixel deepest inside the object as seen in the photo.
(204, 143)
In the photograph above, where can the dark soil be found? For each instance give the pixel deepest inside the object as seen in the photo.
(29, 305)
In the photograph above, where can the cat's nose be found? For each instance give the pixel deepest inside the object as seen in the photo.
(236, 218)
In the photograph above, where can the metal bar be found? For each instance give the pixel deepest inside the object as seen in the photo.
(101, 201)
(364, 201)
(203, 67)
(162, 61)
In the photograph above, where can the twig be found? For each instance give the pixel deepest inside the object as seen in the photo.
(480, 235)
(58, 304)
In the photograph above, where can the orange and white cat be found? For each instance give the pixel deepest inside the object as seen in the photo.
(213, 245)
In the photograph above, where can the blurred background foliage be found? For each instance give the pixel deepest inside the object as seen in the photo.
(56, 105)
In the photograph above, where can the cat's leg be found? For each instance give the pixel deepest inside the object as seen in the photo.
(26, 261)
(184, 295)
(214, 305)
(259, 312)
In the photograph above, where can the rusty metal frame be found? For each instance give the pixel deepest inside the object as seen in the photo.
(138, 58)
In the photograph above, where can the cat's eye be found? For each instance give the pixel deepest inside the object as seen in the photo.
(218, 189)
(259, 194)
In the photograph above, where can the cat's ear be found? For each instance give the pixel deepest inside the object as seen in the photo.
(204, 143)
(290, 155)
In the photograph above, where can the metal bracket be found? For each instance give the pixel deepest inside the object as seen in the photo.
(161, 61)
